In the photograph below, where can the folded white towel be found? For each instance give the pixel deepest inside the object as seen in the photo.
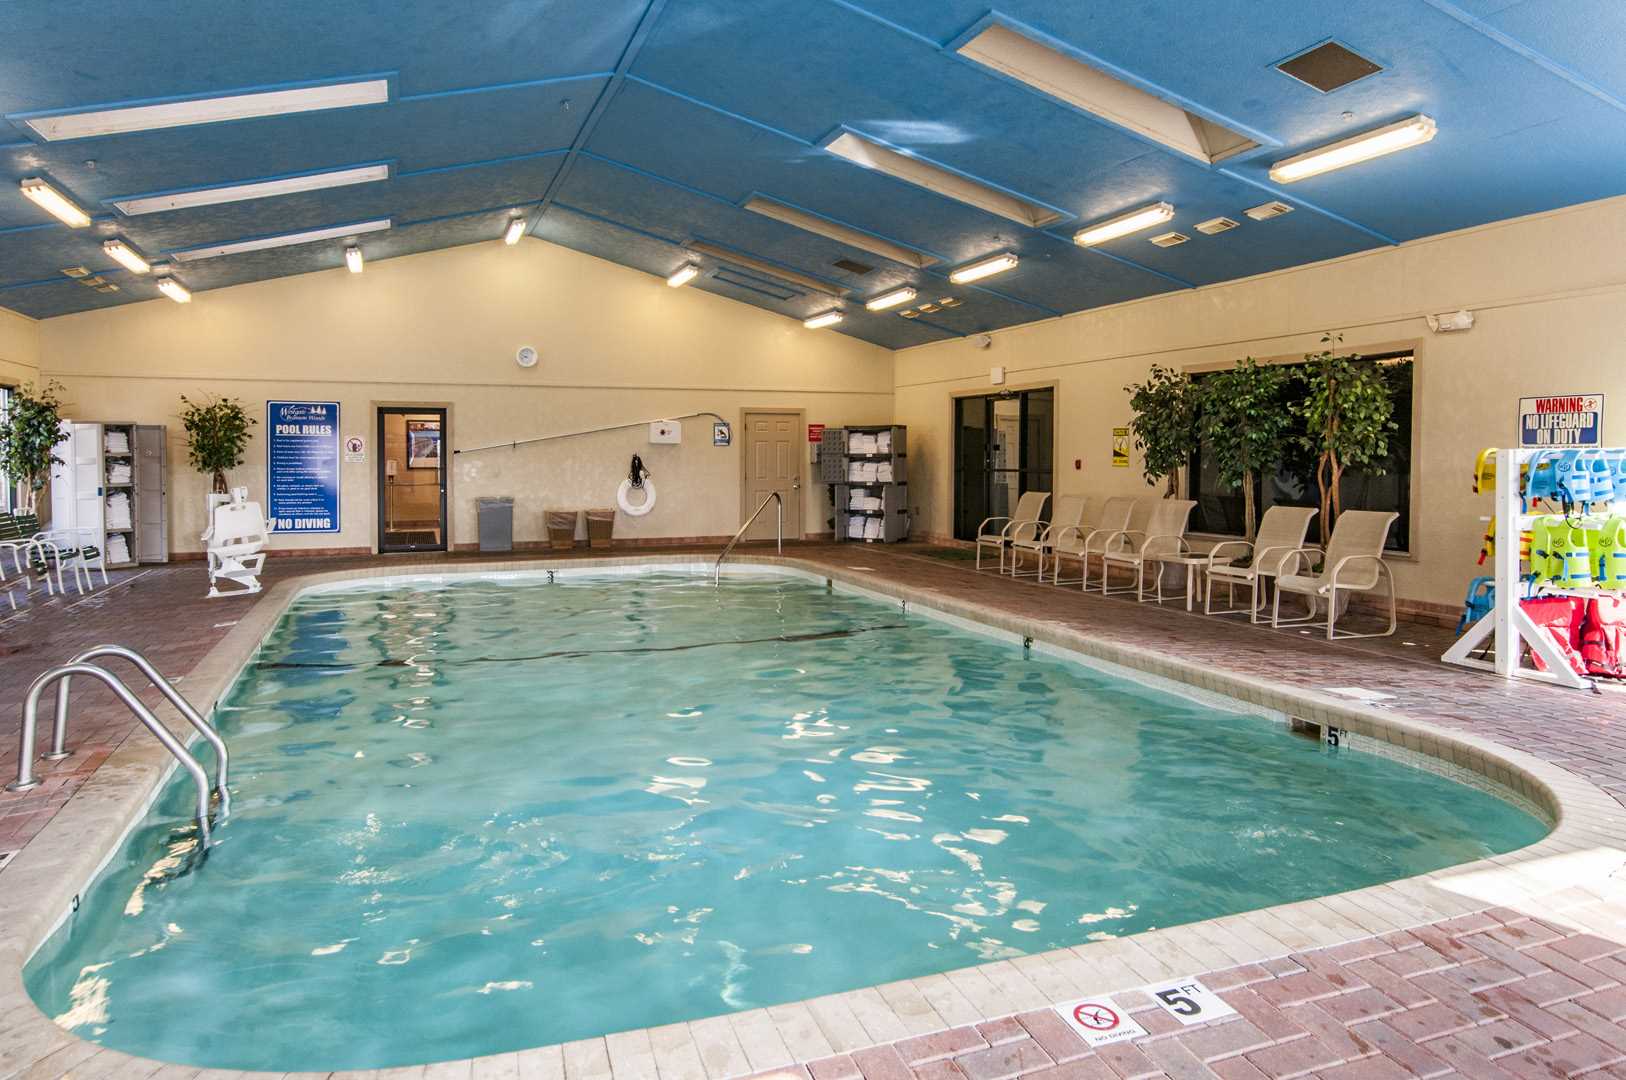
(117, 442)
(117, 550)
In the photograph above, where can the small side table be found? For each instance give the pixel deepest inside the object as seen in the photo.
(1191, 562)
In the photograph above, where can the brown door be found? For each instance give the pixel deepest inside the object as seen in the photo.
(774, 445)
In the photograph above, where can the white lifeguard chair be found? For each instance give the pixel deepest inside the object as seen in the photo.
(237, 536)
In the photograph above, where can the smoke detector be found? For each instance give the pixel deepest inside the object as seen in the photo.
(526, 356)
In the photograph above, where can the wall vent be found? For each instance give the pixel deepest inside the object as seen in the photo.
(1170, 239)
(1328, 67)
(1266, 211)
(1067, 78)
(1217, 225)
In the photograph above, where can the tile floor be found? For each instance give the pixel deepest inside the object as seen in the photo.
(1498, 993)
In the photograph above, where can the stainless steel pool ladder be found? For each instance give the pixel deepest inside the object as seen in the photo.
(773, 496)
(62, 676)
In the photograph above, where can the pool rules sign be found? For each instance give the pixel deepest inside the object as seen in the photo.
(302, 466)
(1561, 420)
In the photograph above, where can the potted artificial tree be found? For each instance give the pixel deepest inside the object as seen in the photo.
(1348, 410)
(1164, 425)
(216, 436)
(29, 431)
(1245, 422)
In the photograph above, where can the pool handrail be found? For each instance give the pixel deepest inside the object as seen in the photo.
(25, 765)
(59, 728)
(773, 496)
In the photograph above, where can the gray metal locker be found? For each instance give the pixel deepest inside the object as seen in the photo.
(151, 496)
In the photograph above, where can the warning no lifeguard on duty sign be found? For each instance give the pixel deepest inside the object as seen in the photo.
(1561, 420)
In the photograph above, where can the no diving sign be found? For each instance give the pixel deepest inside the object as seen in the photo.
(1100, 1021)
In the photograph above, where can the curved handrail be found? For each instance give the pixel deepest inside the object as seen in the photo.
(25, 765)
(773, 496)
(59, 729)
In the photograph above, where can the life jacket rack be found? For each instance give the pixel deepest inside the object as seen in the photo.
(1508, 631)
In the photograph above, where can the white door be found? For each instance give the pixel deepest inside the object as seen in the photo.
(76, 484)
(775, 443)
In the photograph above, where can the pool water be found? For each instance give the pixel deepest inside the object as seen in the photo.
(481, 816)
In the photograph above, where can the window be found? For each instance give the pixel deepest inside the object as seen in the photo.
(1219, 510)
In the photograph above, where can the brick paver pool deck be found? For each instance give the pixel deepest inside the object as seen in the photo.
(1499, 992)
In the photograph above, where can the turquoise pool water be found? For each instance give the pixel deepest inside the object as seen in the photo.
(483, 816)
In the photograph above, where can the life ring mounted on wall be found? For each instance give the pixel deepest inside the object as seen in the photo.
(637, 480)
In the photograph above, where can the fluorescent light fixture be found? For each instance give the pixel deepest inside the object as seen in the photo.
(840, 233)
(55, 203)
(255, 189)
(986, 268)
(261, 243)
(352, 258)
(126, 256)
(248, 106)
(1124, 224)
(945, 182)
(891, 299)
(516, 229)
(819, 322)
(1067, 78)
(1413, 131)
(684, 275)
(174, 290)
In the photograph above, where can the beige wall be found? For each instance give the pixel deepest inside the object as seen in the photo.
(19, 349)
(441, 329)
(1549, 293)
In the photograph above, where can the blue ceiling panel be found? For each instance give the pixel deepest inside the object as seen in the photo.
(632, 127)
(631, 247)
(423, 134)
(69, 54)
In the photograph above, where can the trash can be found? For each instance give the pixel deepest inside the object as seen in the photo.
(496, 517)
(600, 524)
(562, 529)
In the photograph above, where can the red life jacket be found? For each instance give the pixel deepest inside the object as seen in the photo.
(1602, 635)
(1560, 616)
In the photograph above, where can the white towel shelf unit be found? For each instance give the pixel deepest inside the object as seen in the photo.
(874, 507)
(109, 490)
(1507, 629)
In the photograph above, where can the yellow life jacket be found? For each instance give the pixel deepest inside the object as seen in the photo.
(1573, 555)
(1543, 565)
(1607, 545)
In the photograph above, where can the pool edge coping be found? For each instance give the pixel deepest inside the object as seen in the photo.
(43, 881)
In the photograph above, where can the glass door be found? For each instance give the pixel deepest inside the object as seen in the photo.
(411, 479)
(1004, 445)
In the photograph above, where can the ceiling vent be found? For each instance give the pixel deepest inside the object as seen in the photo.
(1170, 239)
(853, 267)
(1067, 78)
(933, 177)
(762, 266)
(1328, 67)
(950, 301)
(840, 233)
(1268, 210)
(1217, 225)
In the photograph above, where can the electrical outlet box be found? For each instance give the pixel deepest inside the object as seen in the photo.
(666, 431)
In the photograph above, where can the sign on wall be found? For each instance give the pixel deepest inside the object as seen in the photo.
(1561, 420)
(302, 466)
(815, 433)
(1120, 448)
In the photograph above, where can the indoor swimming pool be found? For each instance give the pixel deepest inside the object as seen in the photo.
(478, 815)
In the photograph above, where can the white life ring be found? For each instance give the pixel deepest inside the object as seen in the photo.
(636, 509)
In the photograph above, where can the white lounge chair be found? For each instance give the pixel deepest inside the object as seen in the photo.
(1353, 562)
(1281, 533)
(1165, 534)
(1069, 512)
(1028, 522)
(1081, 542)
(237, 537)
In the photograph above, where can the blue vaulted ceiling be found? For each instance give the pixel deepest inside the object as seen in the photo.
(632, 129)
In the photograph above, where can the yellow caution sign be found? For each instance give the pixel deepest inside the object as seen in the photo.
(1120, 448)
